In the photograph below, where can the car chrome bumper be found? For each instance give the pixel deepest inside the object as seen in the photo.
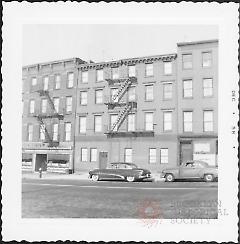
(144, 176)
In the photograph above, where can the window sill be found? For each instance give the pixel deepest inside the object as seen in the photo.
(148, 100)
(83, 104)
(188, 98)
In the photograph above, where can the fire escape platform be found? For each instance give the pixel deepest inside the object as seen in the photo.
(121, 80)
(116, 134)
(50, 116)
(112, 105)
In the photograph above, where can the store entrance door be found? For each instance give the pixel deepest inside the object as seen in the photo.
(186, 152)
(103, 159)
(41, 162)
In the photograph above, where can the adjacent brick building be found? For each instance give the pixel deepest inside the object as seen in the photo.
(155, 111)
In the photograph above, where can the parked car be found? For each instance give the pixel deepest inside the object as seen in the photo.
(194, 169)
(120, 171)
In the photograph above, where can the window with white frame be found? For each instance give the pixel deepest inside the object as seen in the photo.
(42, 132)
(167, 120)
(149, 69)
(132, 94)
(187, 61)
(56, 103)
(131, 122)
(31, 106)
(132, 71)
(84, 154)
(98, 123)
(207, 59)
(208, 120)
(152, 155)
(113, 119)
(149, 121)
(149, 92)
(82, 124)
(167, 68)
(83, 97)
(68, 131)
(84, 76)
(34, 81)
(30, 132)
(114, 97)
(128, 155)
(207, 87)
(100, 75)
(187, 88)
(187, 121)
(70, 79)
(57, 81)
(167, 91)
(99, 96)
(164, 155)
(93, 155)
(45, 83)
(44, 105)
(115, 73)
(55, 132)
(68, 104)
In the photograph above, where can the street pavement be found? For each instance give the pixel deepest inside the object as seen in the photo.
(76, 198)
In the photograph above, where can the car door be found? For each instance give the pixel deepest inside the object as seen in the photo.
(189, 170)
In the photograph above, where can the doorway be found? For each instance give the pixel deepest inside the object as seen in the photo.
(103, 159)
(41, 162)
(186, 151)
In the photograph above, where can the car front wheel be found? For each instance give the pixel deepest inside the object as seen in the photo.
(169, 178)
(130, 178)
(95, 177)
(208, 178)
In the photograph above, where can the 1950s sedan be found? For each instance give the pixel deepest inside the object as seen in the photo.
(120, 171)
(191, 170)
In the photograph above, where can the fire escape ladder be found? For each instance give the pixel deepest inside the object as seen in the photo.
(122, 90)
(121, 117)
(51, 102)
(43, 126)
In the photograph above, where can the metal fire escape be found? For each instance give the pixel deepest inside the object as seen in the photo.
(54, 114)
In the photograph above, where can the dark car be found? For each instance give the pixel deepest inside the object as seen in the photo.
(194, 169)
(120, 171)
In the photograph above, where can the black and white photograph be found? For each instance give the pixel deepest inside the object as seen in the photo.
(127, 122)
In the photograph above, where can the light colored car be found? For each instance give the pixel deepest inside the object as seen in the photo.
(191, 170)
(120, 171)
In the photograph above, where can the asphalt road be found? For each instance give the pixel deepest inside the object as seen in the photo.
(44, 198)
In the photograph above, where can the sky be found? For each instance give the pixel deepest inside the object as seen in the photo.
(49, 42)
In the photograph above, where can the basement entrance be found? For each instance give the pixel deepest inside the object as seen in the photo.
(41, 162)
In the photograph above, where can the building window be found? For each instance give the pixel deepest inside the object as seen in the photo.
(167, 91)
(42, 132)
(30, 133)
(34, 81)
(128, 155)
(207, 87)
(99, 96)
(68, 130)
(132, 94)
(207, 120)
(113, 119)
(206, 59)
(68, 104)
(44, 105)
(100, 75)
(187, 121)
(152, 155)
(164, 155)
(83, 97)
(57, 81)
(55, 132)
(187, 61)
(84, 76)
(115, 73)
(167, 68)
(131, 122)
(114, 97)
(149, 121)
(167, 120)
(82, 125)
(84, 154)
(132, 71)
(149, 69)
(56, 103)
(70, 79)
(31, 106)
(149, 93)
(45, 83)
(187, 89)
(93, 155)
(97, 123)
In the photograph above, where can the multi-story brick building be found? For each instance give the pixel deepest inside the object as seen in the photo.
(154, 111)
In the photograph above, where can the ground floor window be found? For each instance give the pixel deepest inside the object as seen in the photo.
(93, 155)
(164, 155)
(84, 153)
(128, 155)
(152, 155)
